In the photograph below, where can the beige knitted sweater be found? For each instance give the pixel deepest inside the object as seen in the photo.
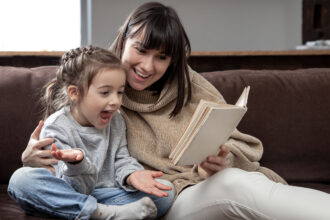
(151, 134)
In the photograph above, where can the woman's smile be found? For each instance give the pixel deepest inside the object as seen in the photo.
(140, 74)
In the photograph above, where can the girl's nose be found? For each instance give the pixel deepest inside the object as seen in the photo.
(115, 100)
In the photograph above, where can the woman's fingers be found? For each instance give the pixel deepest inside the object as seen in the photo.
(224, 151)
(44, 153)
(206, 170)
(48, 161)
(213, 167)
(35, 134)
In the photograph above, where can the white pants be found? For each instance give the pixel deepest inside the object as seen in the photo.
(237, 194)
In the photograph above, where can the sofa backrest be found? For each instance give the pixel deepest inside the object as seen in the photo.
(20, 111)
(289, 111)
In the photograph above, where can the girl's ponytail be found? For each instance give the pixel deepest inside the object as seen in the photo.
(55, 96)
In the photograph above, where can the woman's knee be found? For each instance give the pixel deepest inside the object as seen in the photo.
(234, 181)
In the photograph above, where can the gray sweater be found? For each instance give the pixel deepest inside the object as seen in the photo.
(106, 162)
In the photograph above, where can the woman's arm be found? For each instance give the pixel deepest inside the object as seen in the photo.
(35, 155)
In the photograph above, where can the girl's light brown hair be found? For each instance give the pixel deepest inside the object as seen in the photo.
(78, 67)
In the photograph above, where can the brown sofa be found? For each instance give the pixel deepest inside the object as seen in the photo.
(288, 110)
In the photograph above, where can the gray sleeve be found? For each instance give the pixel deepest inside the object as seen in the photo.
(62, 141)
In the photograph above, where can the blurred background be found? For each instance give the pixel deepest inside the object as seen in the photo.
(212, 25)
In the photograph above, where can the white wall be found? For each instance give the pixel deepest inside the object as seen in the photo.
(212, 25)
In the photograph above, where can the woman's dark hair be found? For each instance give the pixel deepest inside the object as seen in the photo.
(162, 29)
(78, 67)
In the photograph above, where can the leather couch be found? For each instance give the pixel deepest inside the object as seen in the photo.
(289, 110)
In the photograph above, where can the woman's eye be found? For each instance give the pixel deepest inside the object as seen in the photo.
(162, 57)
(140, 49)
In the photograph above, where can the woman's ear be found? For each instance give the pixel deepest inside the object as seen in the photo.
(73, 93)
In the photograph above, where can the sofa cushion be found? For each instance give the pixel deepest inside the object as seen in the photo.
(290, 112)
(19, 112)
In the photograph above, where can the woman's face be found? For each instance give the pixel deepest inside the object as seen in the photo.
(146, 66)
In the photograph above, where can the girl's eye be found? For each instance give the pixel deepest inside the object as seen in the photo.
(120, 92)
(104, 93)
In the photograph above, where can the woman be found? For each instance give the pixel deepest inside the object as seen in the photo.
(161, 96)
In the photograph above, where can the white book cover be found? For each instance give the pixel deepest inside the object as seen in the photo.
(212, 126)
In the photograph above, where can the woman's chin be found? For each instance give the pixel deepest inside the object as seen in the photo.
(137, 86)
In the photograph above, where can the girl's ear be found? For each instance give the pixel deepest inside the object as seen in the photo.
(73, 93)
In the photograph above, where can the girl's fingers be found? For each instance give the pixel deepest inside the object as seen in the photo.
(155, 174)
(162, 186)
(157, 192)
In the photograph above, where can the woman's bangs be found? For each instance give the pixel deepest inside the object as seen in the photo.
(160, 37)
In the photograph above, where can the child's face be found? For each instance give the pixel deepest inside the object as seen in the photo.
(102, 99)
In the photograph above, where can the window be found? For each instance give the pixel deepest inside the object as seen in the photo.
(37, 25)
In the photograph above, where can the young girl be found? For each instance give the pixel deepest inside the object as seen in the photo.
(94, 168)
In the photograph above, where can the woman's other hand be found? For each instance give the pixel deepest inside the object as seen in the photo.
(144, 180)
(35, 155)
(214, 164)
(67, 155)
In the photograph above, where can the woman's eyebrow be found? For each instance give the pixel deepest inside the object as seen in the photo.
(138, 43)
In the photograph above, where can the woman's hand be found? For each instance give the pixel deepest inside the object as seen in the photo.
(214, 164)
(67, 155)
(35, 155)
(144, 180)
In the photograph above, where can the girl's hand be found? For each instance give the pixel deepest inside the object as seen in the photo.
(144, 180)
(35, 155)
(214, 164)
(67, 155)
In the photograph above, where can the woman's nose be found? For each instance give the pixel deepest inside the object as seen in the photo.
(148, 64)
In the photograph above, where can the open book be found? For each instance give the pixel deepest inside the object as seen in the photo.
(210, 126)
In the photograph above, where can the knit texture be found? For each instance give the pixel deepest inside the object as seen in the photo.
(151, 133)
